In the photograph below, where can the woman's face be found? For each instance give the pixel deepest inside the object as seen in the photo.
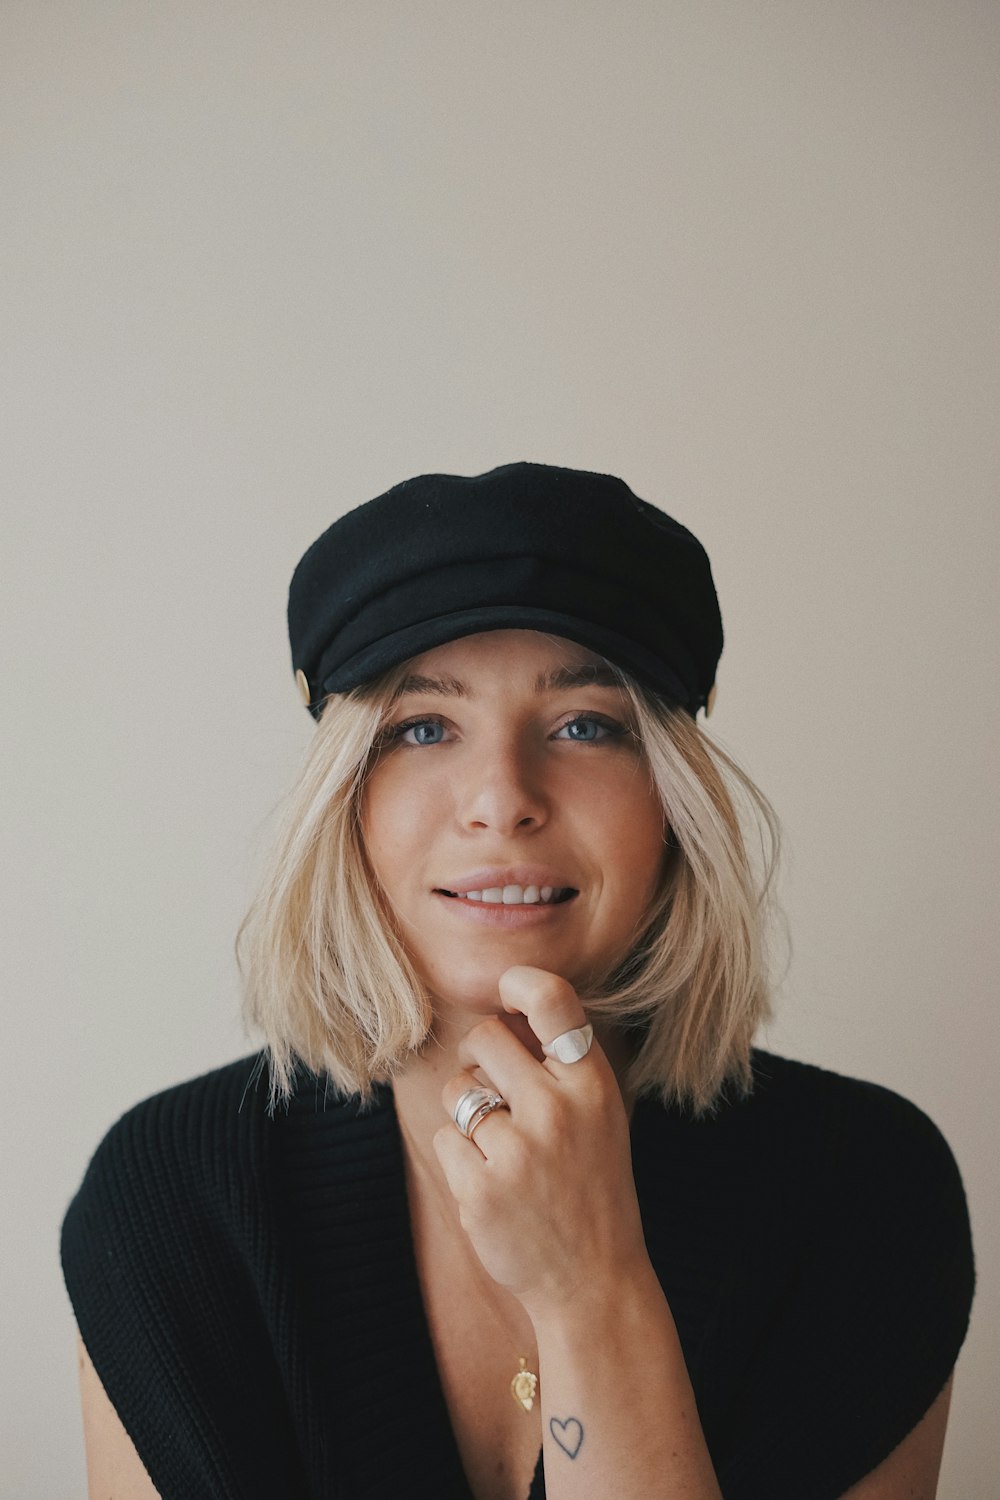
(508, 772)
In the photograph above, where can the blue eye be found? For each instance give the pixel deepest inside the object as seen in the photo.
(397, 731)
(607, 727)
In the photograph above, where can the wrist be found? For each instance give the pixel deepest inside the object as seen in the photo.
(626, 1298)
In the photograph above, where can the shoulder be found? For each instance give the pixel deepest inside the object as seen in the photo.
(191, 1168)
(857, 1161)
(164, 1249)
(235, 1090)
(177, 1140)
(814, 1145)
(855, 1137)
(807, 1092)
(165, 1184)
(869, 1237)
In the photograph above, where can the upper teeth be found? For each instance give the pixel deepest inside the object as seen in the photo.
(512, 895)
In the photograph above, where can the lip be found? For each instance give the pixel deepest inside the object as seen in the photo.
(490, 876)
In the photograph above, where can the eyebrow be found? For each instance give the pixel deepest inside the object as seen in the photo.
(594, 674)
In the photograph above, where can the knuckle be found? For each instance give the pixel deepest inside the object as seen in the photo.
(483, 1031)
(604, 1098)
(600, 1094)
(552, 987)
(553, 1114)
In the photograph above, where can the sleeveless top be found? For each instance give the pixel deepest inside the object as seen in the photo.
(246, 1286)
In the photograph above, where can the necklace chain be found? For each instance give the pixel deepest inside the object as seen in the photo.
(524, 1384)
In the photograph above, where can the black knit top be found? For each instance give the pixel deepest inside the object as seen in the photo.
(247, 1288)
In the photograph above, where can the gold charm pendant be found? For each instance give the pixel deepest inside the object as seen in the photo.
(524, 1386)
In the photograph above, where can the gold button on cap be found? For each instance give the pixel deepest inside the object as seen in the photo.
(302, 682)
(710, 700)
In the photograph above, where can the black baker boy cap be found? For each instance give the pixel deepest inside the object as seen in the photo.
(526, 546)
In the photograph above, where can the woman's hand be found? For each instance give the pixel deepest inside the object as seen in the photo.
(545, 1191)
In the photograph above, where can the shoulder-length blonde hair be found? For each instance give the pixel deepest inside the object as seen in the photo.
(328, 982)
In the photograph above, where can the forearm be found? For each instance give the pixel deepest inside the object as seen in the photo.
(618, 1412)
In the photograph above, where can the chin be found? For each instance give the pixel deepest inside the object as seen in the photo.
(476, 990)
(480, 994)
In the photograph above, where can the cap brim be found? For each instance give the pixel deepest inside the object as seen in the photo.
(392, 650)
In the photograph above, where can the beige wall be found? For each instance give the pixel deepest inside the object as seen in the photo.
(264, 260)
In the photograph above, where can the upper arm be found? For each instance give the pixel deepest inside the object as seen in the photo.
(114, 1469)
(911, 1470)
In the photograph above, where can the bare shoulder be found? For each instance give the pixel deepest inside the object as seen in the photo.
(114, 1468)
(911, 1470)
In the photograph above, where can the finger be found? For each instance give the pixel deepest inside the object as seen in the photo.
(459, 1084)
(462, 1158)
(549, 1002)
(493, 1048)
(460, 1161)
(488, 1135)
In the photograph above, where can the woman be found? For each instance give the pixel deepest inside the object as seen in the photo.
(523, 1210)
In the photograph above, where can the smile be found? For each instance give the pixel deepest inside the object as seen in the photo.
(500, 913)
(515, 895)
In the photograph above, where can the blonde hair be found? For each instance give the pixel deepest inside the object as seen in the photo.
(328, 982)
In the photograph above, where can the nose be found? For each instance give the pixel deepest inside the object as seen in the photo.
(500, 789)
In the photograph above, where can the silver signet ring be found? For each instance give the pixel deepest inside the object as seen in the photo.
(571, 1046)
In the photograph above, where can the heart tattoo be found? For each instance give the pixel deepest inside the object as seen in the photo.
(568, 1434)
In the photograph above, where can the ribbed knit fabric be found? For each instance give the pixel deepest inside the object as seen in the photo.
(247, 1288)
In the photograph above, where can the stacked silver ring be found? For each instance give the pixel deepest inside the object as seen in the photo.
(473, 1106)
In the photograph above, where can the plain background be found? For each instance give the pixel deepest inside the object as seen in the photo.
(265, 260)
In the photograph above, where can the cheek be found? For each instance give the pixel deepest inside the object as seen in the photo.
(395, 817)
(635, 831)
(379, 824)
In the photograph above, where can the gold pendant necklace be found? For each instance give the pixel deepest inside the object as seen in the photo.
(524, 1386)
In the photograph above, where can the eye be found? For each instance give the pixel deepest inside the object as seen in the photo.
(423, 732)
(589, 729)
